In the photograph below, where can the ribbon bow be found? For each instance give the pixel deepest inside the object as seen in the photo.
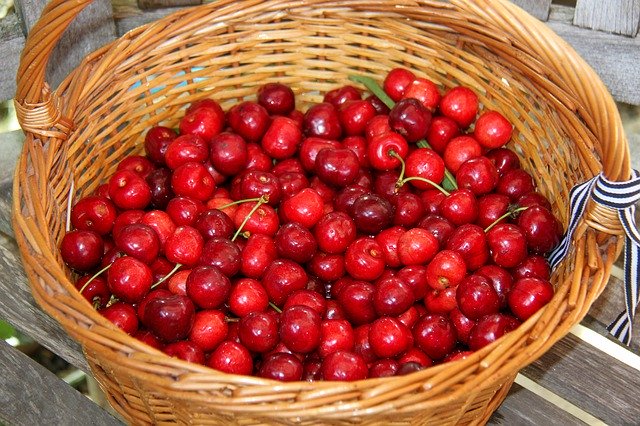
(621, 196)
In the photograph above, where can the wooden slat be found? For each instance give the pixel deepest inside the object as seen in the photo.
(537, 8)
(589, 379)
(11, 43)
(92, 29)
(154, 4)
(10, 147)
(616, 16)
(615, 58)
(32, 395)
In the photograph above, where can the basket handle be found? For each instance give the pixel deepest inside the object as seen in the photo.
(37, 107)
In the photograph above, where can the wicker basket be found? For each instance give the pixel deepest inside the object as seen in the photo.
(567, 130)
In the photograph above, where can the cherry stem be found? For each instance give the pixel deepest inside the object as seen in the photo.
(262, 200)
(504, 216)
(275, 307)
(69, 204)
(374, 88)
(395, 155)
(94, 276)
(163, 279)
(231, 319)
(248, 200)
(430, 182)
(449, 181)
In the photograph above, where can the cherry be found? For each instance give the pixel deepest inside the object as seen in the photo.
(282, 139)
(186, 351)
(184, 149)
(492, 129)
(159, 181)
(327, 267)
(504, 159)
(412, 360)
(256, 218)
(441, 301)
(305, 207)
(435, 335)
(337, 166)
(184, 210)
(93, 213)
(416, 277)
(347, 196)
(411, 316)
(358, 144)
(410, 118)
(354, 116)
(207, 287)
(281, 278)
(460, 207)
(392, 296)
(507, 245)
(288, 165)
(205, 119)
(335, 335)
(307, 297)
(477, 297)
(249, 120)
(281, 366)
(258, 331)
(94, 289)
(128, 190)
(258, 253)
(441, 131)
(364, 259)
(388, 240)
(228, 153)
(213, 223)
(425, 91)
(300, 328)
(309, 150)
(222, 253)
(344, 366)
(342, 95)
(470, 241)
(408, 209)
(478, 175)
(515, 184)
(147, 337)
(500, 278)
(123, 315)
(440, 227)
(257, 159)
(397, 81)
(541, 229)
(356, 299)
(417, 246)
(82, 250)
(431, 200)
(371, 213)
(334, 232)
(177, 283)
(385, 185)
(292, 183)
(378, 105)
(322, 121)
(294, 241)
(231, 357)
(169, 317)
(276, 98)
(389, 337)
(490, 328)
(383, 368)
(386, 150)
(247, 295)
(491, 207)
(209, 329)
(424, 163)
(460, 104)
(156, 141)
(459, 150)
(528, 295)
(184, 246)
(462, 325)
(446, 269)
(533, 266)
(140, 241)
(193, 180)
(255, 183)
(378, 125)
(334, 310)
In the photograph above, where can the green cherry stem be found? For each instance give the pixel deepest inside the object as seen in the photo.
(430, 182)
(374, 88)
(275, 307)
(504, 216)
(395, 155)
(262, 200)
(163, 279)
(94, 276)
(248, 200)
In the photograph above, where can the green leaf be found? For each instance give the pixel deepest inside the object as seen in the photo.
(6, 330)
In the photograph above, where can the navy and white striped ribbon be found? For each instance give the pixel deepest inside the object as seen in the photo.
(621, 196)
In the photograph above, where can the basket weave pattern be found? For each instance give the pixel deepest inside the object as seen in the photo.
(566, 129)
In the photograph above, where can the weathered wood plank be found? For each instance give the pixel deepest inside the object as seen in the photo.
(18, 307)
(589, 379)
(154, 4)
(615, 58)
(92, 29)
(616, 16)
(11, 44)
(537, 8)
(523, 407)
(10, 148)
(32, 395)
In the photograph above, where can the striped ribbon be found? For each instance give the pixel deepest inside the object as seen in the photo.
(621, 196)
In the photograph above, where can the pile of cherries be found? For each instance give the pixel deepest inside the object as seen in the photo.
(365, 237)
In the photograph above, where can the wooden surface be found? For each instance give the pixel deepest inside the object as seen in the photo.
(11, 43)
(153, 4)
(618, 17)
(537, 8)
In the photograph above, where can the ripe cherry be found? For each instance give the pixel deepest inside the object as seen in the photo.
(281, 366)
(306, 208)
(205, 119)
(492, 129)
(93, 213)
(477, 297)
(156, 141)
(258, 331)
(424, 163)
(460, 104)
(335, 335)
(435, 335)
(371, 213)
(123, 315)
(459, 150)
(300, 328)
(128, 190)
(392, 297)
(441, 131)
(425, 91)
(337, 166)
(446, 269)
(364, 259)
(207, 287)
(507, 244)
(397, 81)
(478, 175)
(231, 357)
(388, 337)
(490, 328)
(354, 116)
(334, 232)
(258, 253)
(249, 120)
(322, 121)
(228, 153)
(82, 250)
(184, 149)
(209, 329)
(294, 241)
(344, 366)
(282, 138)
(281, 278)
(410, 118)
(276, 98)
(528, 295)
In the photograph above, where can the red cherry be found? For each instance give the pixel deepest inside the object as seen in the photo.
(415, 276)
(247, 295)
(426, 164)
(462, 325)
(264, 220)
(140, 241)
(292, 183)
(378, 125)
(490, 328)
(354, 116)
(136, 163)
(231, 357)
(276, 98)
(491, 207)
(184, 149)
(309, 298)
(257, 159)
(460, 104)
(425, 91)
(500, 278)
(337, 166)
(435, 335)
(492, 129)
(410, 118)
(193, 180)
(440, 227)
(441, 131)
(249, 120)
(417, 246)
(459, 150)
(282, 138)
(392, 297)
(82, 250)
(209, 329)
(384, 150)
(397, 81)
(528, 295)
(300, 328)
(156, 141)
(408, 210)
(334, 232)
(161, 223)
(378, 105)
(129, 279)
(477, 297)
(356, 299)
(533, 266)
(531, 199)
(281, 278)
(342, 95)
(305, 207)
(205, 119)
(541, 229)
(258, 331)
(213, 223)
(371, 213)
(388, 240)
(446, 269)
(309, 150)
(294, 241)
(93, 213)
(228, 153)
(184, 210)
(389, 337)
(96, 292)
(344, 366)
(470, 241)
(123, 315)
(504, 159)
(460, 207)
(336, 335)
(281, 366)
(258, 253)
(207, 287)
(441, 301)
(186, 351)
(128, 190)
(478, 175)
(184, 246)
(507, 244)
(364, 259)
(322, 121)
(327, 267)
(515, 184)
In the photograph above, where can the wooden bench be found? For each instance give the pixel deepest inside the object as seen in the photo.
(586, 378)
